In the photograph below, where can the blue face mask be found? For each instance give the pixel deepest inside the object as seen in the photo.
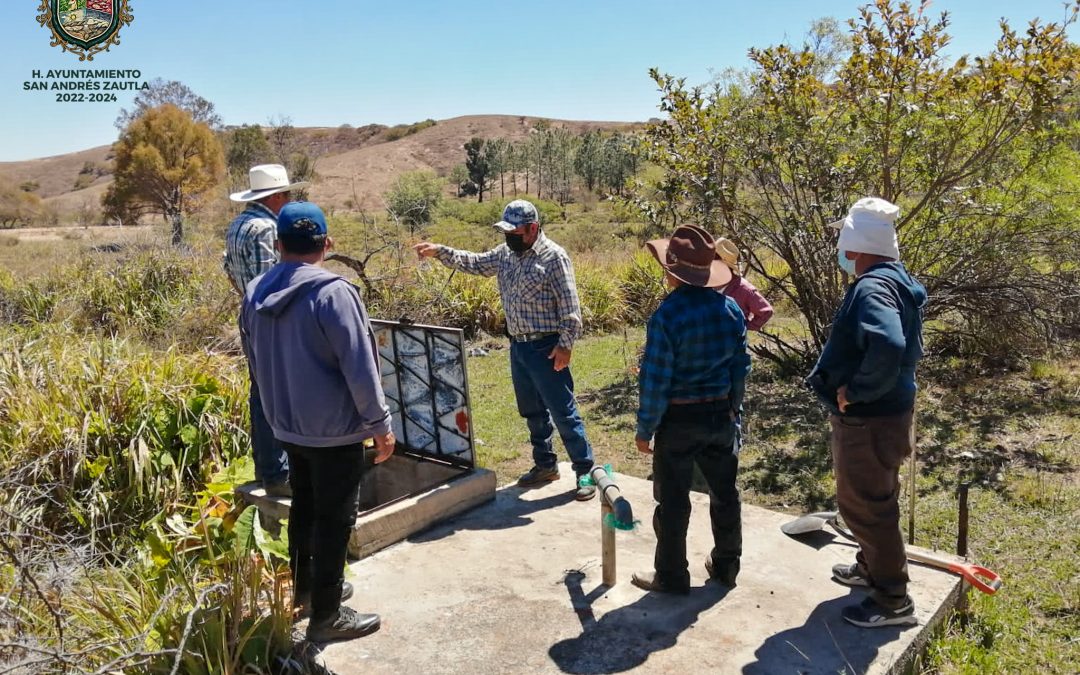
(845, 264)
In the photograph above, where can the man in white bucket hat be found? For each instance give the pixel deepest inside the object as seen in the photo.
(866, 378)
(249, 251)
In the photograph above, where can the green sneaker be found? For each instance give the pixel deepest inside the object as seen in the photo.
(586, 490)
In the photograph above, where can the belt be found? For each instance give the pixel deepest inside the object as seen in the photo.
(529, 337)
(692, 401)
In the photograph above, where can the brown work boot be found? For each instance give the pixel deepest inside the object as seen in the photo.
(539, 475)
(648, 581)
(723, 572)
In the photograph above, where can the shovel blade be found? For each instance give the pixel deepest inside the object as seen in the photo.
(811, 522)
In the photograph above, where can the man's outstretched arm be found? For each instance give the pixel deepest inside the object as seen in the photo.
(485, 264)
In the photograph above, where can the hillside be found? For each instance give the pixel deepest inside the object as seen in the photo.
(353, 164)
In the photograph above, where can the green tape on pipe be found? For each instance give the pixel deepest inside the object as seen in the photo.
(587, 479)
(610, 521)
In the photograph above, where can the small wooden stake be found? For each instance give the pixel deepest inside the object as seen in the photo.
(607, 544)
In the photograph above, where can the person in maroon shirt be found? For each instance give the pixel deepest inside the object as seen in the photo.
(753, 304)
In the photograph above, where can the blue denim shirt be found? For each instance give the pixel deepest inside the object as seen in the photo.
(695, 347)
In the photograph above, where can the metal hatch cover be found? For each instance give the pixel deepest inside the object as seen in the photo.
(427, 389)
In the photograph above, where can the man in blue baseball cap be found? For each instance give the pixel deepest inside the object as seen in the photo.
(543, 318)
(306, 333)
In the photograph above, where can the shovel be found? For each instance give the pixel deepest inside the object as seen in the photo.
(979, 577)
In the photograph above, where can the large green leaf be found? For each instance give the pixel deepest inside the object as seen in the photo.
(244, 530)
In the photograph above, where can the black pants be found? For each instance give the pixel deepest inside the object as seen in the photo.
(325, 485)
(704, 434)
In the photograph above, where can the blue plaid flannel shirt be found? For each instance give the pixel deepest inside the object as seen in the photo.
(695, 347)
(249, 245)
(538, 290)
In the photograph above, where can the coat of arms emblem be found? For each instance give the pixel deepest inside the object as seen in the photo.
(85, 27)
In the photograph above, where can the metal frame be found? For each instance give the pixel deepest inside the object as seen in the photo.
(433, 336)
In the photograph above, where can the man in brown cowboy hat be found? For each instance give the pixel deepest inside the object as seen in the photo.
(692, 380)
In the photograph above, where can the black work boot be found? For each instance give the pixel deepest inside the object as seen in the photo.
(347, 624)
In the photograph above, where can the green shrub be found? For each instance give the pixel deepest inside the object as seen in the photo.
(586, 235)
(642, 286)
(205, 592)
(490, 212)
(400, 131)
(27, 303)
(483, 214)
(84, 180)
(602, 301)
(414, 197)
(456, 233)
(106, 433)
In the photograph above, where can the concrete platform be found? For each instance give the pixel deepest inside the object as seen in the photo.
(514, 587)
(398, 498)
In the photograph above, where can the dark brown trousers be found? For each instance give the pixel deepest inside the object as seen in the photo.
(867, 455)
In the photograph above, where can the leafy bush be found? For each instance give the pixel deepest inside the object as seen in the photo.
(105, 433)
(205, 592)
(603, 305)
(961, 146)
(400, 131)
(642, 286)
(414, 197)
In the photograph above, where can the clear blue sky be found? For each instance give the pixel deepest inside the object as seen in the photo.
(333, 62)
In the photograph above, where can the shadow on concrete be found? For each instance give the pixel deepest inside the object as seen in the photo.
(624, 638)
(506, 511)
(818, 539)
(825, 643)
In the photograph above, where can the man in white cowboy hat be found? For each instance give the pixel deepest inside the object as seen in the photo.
(249, 251)
(753, 304)
(692, 380)
(866, 378)
(543, 318)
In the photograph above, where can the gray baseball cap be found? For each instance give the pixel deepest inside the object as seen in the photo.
(517, 213)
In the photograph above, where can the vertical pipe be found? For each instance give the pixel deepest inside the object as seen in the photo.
(607, 544)
(962, 517)
(911, 486)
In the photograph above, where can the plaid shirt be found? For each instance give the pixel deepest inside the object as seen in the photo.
(539, 294)
(249, 245)
(695, 347)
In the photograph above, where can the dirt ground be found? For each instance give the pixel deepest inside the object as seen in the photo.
(97, 233)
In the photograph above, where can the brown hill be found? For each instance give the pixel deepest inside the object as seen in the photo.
(354, 164)
(60, 174)
(365, 173)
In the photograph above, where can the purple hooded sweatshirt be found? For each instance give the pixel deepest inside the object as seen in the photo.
(306, 334)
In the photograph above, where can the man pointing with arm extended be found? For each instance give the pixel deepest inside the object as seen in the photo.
(543, 317)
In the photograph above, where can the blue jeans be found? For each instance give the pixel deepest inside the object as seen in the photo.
(543, 396)
(271, 461)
